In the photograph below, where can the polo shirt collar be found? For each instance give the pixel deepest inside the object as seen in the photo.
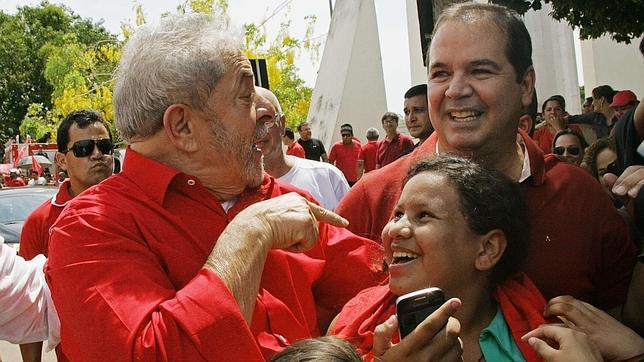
(534, 155)
(62, 196)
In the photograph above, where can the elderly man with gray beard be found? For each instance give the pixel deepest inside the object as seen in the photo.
(192, 252)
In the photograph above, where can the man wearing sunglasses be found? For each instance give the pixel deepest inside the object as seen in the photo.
(85, 153)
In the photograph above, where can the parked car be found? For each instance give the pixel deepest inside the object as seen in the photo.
(15, 205)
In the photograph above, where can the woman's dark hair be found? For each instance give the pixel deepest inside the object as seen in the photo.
(604, 91)
(325, 349)
(590, 155)
(558, 99)
(488, 200)
(572, 132)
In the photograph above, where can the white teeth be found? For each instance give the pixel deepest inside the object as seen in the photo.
(464, 114)
(402, 254)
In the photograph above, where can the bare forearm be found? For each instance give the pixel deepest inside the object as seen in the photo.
(238, 259)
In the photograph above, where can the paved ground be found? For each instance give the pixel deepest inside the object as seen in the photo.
(11, 353)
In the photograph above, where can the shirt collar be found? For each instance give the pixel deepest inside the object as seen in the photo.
(533, 164)
(154, 178)
(62, 196)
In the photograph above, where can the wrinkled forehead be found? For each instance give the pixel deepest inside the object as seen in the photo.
(262, 101)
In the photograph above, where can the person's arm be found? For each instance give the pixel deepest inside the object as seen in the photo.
(360, 169)
(638, 120)
(324, 158)
(23, 298)
(108, 283)
(332, 155)
(285, 222)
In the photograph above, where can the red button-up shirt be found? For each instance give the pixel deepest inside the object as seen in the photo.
(127, 277)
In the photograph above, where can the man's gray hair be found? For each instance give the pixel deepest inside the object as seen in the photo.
(179, 60)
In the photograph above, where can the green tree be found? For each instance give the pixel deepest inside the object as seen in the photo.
(280, 52)
(28, 39)
(623, 20)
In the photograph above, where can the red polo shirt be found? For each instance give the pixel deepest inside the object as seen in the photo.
(388, 151)
(34, 238)
(133, 248)
(345, 157)
(368, 154)
(579, 244)
(295, 149)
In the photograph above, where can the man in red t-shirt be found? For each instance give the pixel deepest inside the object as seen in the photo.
(368, 153)
(344, 154)
(394, 144)
(292, 148)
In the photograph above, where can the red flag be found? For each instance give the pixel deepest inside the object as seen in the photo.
(35, 166)
(15, 155)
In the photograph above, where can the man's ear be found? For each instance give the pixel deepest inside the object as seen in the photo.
(179, 124)
(525, 123)
(491, 248)
(61, 161)
(527, 86)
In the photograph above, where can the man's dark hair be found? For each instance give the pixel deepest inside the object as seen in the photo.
(82, 118)
(556, 99)
(518, 48)
(488, 200)
(327, 348)
(417, 90)
(391, 115)
(299, 126)
(589, 100)
(604, 91)
(572, 132)
(289, 133)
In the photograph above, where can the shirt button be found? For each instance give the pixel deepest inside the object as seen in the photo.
(282, 339)
(191, 182)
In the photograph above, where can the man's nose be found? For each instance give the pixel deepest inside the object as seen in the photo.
(458, 87)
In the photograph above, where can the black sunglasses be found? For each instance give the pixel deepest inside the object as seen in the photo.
(84, 148)
(573, 150)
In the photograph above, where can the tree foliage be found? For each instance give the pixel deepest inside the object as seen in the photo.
(280, 53)
(29, 38)
(623, 20)
(53, 62)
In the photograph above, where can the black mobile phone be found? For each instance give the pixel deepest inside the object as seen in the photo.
(412, 308)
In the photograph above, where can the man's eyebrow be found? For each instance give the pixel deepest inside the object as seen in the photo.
(437, 65)
(485, 62)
